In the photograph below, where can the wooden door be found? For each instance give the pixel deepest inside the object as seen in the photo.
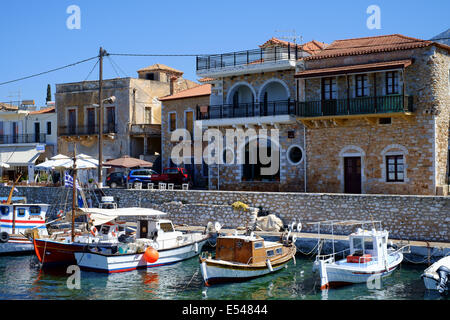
(352, 174)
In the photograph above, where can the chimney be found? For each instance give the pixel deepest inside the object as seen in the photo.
(172, 83)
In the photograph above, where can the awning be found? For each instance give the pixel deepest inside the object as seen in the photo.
(19, 156)
(101, 216)
(357, 68)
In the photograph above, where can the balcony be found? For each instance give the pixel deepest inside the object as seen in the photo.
(146, 130)
(249, 61)
(247, 113)
(110, 128)
(364, 107)
(22, 138)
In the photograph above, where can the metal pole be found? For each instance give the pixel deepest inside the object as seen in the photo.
(74, 190)
(100, 119)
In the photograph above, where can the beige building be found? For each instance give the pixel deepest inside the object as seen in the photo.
(377, 116)
(254, 91)
(179, 111)
(132, 124)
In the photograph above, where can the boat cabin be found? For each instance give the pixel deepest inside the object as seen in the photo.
(16, 218)
(245, 249)
(367, 246)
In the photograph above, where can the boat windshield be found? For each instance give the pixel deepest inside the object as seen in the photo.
(362, 245)
(166, 227)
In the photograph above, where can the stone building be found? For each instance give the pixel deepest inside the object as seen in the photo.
(179, 112)
(253, 92)
(132, 125)
(376, 111)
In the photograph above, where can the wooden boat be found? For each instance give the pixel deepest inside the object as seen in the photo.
(156, 244)
(17, 220)
(437, 276)
(243, 257)
(369, 257)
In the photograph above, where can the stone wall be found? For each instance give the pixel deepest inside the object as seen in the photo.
(424, 218)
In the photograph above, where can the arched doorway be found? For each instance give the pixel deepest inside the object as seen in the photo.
(274, 98)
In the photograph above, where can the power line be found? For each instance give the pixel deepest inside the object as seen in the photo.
(89, 74)
(49, 71)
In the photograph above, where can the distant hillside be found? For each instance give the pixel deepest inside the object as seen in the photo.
(440, 36)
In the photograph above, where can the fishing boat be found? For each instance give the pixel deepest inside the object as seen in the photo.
(58, 248)
(156, 244)
(17, 220)
(243, 257)
(369, 256)
(437, 276)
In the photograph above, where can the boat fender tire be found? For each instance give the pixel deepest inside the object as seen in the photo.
(4, 237)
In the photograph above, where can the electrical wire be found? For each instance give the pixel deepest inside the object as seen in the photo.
(49, 71)
(92, 70)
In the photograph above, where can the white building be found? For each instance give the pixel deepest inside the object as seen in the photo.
(26, 139)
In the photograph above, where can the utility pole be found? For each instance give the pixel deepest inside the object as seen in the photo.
(100, 118)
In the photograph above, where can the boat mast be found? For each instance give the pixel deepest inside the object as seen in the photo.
(74, 190)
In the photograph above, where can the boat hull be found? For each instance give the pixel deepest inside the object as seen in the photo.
(99, 262)
(16, 245)
(53, 253)
(430, 276)
(215, 272)
(334, 275)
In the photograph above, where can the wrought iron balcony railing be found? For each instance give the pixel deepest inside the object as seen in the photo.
(22, 138)
(355, 106)
(248, 57)
(243, 110)
(86, 130)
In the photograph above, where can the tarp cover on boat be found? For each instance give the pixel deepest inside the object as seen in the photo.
(101, 216)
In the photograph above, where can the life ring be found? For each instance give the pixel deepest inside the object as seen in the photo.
(94, 231)
(4, 237)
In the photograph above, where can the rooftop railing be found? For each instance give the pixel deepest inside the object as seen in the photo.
(248, 57)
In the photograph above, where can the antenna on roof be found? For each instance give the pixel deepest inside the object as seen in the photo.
(292, 38)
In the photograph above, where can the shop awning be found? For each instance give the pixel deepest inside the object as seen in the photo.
(19, 156)
(357, 68)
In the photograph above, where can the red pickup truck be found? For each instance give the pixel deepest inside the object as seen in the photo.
(177, 176)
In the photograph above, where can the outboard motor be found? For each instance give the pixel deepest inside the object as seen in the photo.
(444, 274)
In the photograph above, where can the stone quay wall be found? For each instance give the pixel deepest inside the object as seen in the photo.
(407, 217)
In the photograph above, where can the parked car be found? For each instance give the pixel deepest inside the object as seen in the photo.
(143, 176)
(116, 179)
(174, 175)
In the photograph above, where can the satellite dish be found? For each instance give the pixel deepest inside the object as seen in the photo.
(217, 226)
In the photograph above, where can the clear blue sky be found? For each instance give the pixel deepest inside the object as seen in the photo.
(34, 36)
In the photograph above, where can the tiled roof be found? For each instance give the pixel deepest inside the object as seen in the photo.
(358, 46)
(45, 110)
(206, 79)
(159, 66)
(353, 68)
(201, 90)
(7, 106)
(312, 47)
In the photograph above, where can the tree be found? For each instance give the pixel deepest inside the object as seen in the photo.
(49, 93)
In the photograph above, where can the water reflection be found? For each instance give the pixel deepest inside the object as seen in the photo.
(22, 278)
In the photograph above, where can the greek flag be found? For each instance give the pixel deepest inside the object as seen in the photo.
(68, 181)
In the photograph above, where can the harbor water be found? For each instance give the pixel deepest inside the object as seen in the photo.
(22, 278)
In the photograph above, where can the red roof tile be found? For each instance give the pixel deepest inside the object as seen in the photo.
(353, 68)
(368, 45)
(310, 47)
(45, 110)
(198, 91)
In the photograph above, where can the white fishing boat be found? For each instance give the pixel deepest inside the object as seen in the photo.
(156, 244)
(243, 257)
(369, 257)
(18, 219)
(437, 276)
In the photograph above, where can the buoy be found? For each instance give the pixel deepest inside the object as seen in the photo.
(151, 255)
(94, 231)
